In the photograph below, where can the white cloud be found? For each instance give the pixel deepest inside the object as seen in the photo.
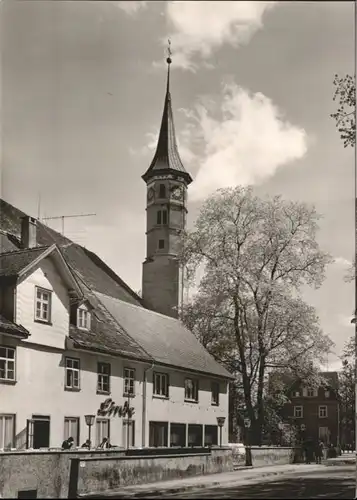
(131, 7)
(345, 320)
(198, 28)
(245, 144)
(341, 261)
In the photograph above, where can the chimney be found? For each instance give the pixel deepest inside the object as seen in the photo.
(28, 232)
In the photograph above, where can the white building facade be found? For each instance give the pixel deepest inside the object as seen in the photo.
(49, 380)
(75, 340)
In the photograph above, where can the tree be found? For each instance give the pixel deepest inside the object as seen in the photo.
(347, 391)
(345, 116)
(255, 255)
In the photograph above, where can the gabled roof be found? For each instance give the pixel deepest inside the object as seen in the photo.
(7, 326)
(12, 263)
(165, 339)
(21, 262)
(89, 266)
(330, 379)
(167, 158)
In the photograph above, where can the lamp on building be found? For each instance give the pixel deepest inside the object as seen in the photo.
(89, 421)
(220, 422)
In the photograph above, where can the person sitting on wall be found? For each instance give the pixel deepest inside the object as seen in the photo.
(105, 444)
(68, 443)
(87, 444)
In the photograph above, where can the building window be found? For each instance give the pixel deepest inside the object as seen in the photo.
(191, 389)
(103, 384)
(43, 305)
(211, 435)
(129, 381)
(195, 435)
(178, 435)
(311, 393)
(161, 385)
(72, 373)
(295, 394)
(162, 191)
(323, 411)
(7, 432)
(128, 433)
(161, 217)
(214, 393)
(161, 244)
(298, 412)
(83, 318)
(102, 430)
(158, 434)
(327, 394)
(7, 363)
(71, 429)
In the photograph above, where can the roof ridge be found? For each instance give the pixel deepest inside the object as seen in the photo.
(146, 309)
(23, 250)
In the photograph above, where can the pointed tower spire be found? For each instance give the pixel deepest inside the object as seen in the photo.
(167, 159)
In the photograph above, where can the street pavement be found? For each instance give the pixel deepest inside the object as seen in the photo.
(328, 482)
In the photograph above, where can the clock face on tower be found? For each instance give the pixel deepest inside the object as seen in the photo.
(151, 193)
(177, 193)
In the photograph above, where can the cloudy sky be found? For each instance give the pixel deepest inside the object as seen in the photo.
(82, 94)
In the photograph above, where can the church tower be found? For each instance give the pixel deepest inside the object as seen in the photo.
(166, 180)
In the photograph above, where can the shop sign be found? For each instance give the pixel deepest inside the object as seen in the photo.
(109, 409)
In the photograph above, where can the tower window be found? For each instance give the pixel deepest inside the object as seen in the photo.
(161, 217)
(162, 191)
(161, 244)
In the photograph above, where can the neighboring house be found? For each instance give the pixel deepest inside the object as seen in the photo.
(75, 340)
(315, 412)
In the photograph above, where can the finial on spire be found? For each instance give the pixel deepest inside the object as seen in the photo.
(169, 60)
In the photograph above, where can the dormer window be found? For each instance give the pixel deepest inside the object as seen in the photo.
(83, 318)
(43, 305)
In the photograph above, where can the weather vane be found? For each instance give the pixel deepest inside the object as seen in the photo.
(168, 60)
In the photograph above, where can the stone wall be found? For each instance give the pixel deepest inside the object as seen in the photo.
(49, 472)
(45, 471)
(264, 455)
(96, 475)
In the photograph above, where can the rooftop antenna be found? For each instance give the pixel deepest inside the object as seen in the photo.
(63, 217)
(39, 207)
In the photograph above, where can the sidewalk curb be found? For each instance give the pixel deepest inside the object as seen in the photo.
(190, 487)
